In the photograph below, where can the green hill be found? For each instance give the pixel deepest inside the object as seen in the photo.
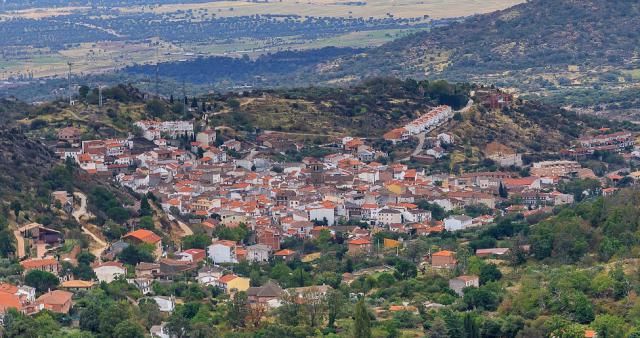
(517, 46)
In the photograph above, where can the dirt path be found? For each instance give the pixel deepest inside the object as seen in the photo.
(81, 214)
(19, 244)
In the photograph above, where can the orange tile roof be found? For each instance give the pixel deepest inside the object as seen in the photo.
(55, 297)
(144, 235)
(9, 301)
(359, 241)
(38, 263)
(444, 253)
(74, 284)
(227, 278)
(8, 288)
(284, 252)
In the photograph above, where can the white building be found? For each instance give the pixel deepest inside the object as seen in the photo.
(324, 210)
(258, 253)
(458, 222)
(222, 252)
(107, 272)
(389, 216)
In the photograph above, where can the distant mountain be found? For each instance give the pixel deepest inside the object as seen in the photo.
(534, 37)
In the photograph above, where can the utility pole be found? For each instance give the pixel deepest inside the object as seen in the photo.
(157, 71)
(69, 90)
(184, 99)
(99, 95)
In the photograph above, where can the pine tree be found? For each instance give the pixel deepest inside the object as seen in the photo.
(362, 322)
(171, 99)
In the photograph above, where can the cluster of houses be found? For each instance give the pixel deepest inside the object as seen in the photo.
(341, 192)
(425, 123)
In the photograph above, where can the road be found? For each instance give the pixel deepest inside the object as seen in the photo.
(81, 213)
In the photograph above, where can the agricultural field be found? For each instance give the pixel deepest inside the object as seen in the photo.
(98, 39)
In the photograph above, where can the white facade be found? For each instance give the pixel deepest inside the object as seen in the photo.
(258, 253)
(455, 223)
(108, 273)
(221, 253)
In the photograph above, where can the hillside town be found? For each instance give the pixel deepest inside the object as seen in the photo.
(212, 188)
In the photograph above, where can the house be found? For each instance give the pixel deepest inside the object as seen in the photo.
(9, 301)
(232, 283)
(209, 275)
(222, 251)
(65, 200)
(258, 253)
(45, 264)
(458, 222)
(77, 285)
(436, 152)
(323, 211)
(285, 254)
(207, 137)
(263, 294)
(165, 304)
(108, 271)
(459, 283)
(160, 331)
(555, 168)
(389, 216)
(142, 284)
(359, 246)
(492, 252)
(443, 259)
(504, 156)
(143, 236)
(192, 255)
(173, 267)
(70, 135)
(147, 270)
(56, 301)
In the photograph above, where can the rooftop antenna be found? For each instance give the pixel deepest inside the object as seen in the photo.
(69, 89)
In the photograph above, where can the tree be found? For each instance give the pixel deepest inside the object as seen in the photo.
(129, 329)
(145, 207)
(489, 273)
(438, 329)
(237, 310)
(335, 304)
(134, 254)
(42, 281)
(470, 326)
(362, 321)
(16, 207)
(7, 243)
(85, 258)
(314, 306)
(146, 222)
(178, 326)
(621, 286)
(195, 241)
(112, 315)
(609, 326)
(502, 191)
(150, 312)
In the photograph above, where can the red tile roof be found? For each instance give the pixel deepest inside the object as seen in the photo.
(144, 236)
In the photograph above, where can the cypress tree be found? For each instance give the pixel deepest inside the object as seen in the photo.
(362, 325)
